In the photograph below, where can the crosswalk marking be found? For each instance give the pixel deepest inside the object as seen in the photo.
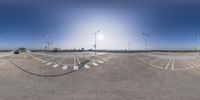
(56, 65)
(86, 66)
(65, 67)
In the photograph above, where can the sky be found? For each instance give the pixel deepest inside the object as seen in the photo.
(70, 24)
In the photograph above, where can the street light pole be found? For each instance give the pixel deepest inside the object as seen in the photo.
(48, 43)
(1, 32)
(198, 43)
(145, 35)
(95, 37)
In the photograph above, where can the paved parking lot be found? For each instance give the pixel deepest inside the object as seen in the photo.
(170, 61)
(108, 76)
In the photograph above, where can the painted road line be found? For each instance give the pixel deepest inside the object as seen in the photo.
(78, 60)
(192, 63)
(59, 60)
(74, 61)
(168, 63)
(95, 64)
(173, 64)
(154, 61)
(65, 67)
(75, 67)
(188, 63)
(100, 61)
(48, 63)
(156, 66)
(62, 60)
(86, 66)
(56, 65)
(105, 60)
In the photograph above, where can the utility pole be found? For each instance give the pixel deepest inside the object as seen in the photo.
(95, 39)
(146, 44)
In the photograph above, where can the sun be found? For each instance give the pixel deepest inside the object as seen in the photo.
(100, 37)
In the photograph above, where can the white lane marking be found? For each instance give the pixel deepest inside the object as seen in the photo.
(192, 63)
(48, 63)
(78, 60)
(95, 64)
(188, 63)
(62, 60)
(154, 61)
(86, 66)
(56, 65)
(105, 60)
(156, 66)
(59, 60)
(75, 67)
(173, 64)
(168, 63)
(65, 67)
(74, 61)
(100, 61)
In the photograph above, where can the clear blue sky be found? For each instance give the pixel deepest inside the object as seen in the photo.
(172, 24)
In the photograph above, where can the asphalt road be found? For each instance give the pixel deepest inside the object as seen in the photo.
(122, 77)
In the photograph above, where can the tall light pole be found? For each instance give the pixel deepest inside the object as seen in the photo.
(146, 44)
(198, 43)
(1, 32)
(48, 43)
(95, 43)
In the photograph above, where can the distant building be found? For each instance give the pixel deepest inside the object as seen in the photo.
(82, 49)
(22, 49)
(56, 49)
